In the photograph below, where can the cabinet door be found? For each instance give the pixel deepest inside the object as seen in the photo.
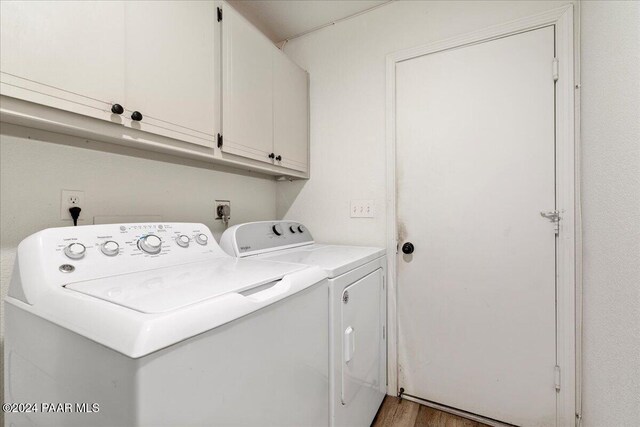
(67, 55)
(170, 64)
(290, 113)
(247, 88)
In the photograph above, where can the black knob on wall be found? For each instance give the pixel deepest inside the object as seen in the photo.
(117, 109)
(408, 248)
(136, 116)
(271, 156)
(278, 158)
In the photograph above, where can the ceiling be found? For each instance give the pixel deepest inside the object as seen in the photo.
(283, 19)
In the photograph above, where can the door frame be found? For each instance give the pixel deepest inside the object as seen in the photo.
(568, 253)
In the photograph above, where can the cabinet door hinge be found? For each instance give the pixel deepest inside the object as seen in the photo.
(219, 140)
(555, 69)
(219, 14)
(556, 377)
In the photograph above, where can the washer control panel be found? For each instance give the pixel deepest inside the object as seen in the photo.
(132, 240)
(93, 251)
(57, 257)
(257, 237)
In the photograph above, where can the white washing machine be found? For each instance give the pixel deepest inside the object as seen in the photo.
(154, 325)
(357, 309)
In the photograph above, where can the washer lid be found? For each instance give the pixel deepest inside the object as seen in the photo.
(170, 288)
(335, 260)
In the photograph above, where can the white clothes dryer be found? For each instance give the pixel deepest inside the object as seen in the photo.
(357, 309)
(154, 325)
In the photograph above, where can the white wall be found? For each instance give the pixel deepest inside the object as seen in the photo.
(346, 63)
(347, 68)
(611, 211)
(116, 181)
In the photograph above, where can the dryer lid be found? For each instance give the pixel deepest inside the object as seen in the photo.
(171, 288)
(335, 260)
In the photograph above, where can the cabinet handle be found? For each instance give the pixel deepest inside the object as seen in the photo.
(117, 109)
(271, 156)
(278, 157)
(136, 116)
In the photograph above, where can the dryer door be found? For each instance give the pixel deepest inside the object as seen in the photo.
(362, 314)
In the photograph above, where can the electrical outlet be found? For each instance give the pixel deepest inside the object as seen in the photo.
(69, 199)
(362, 209)
(223, 209)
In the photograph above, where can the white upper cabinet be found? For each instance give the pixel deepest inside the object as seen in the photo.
(265, 98)
(171, 69)
(290, 113)
(190, 78)
(67, 55)
(154, 58)
(247, 88)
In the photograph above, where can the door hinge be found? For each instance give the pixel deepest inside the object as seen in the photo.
(219, 140)
(555, 69)
(553, 217)
(556, 377)
(219, 14)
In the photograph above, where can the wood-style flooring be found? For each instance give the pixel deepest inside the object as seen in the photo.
(404, 413)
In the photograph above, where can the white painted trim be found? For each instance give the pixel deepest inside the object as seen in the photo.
(578, 213)
(567, 179)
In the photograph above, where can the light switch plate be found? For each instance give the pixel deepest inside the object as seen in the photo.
(362, 209)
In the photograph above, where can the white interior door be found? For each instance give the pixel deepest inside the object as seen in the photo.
(475, 167)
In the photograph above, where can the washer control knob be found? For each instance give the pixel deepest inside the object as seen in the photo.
(277, 229)
(150, 244)
(292, 229)
(183, 241)
(75, 250)
(202, 239)
(110, 248)
(301, 228)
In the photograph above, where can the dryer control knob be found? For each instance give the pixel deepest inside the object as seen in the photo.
(301, 229)
(202, 239)
(183, 241)
(75, 250)
(292, 229)
(150, 244)
(110, 248)
(277, 229)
